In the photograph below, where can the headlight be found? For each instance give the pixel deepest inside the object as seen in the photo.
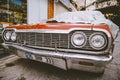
(78, 39)
(98, 41)
(13, 36)
(7, 35)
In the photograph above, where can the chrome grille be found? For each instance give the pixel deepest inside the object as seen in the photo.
(39, 39)
(43, 40)
(31, 40)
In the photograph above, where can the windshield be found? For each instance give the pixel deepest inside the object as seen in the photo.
(80, 16)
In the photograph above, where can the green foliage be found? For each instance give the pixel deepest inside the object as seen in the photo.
(115, 17)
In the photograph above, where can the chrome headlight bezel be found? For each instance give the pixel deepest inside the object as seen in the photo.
(7, 35)
(78, 44)
(102, 38)
(13, 36)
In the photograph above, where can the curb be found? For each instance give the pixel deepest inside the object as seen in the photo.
(7, 59)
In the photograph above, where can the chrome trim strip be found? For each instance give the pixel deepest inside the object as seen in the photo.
(89, 57)
(68, 41)
(64, 50)
(36, 51)
(65, 55)
(58, 31)
(71, 50)
(51, 30)
(102, 30)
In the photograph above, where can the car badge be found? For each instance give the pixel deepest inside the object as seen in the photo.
(24, 43)
(56, 49)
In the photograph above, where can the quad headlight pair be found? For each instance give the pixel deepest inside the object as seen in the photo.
(9, 35)
(96, 40)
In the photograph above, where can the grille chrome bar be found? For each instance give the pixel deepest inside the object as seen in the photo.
(43, 39)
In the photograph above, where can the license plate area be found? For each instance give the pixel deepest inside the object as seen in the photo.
(44, 59)
(58, 62)
(21, 54)
(39, 58)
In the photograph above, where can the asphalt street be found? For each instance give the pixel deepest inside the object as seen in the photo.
(22, 69)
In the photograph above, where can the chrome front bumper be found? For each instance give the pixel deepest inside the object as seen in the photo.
(65, 60)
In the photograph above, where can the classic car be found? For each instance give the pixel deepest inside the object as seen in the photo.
(82, 40)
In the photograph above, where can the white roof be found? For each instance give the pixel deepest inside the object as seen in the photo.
(80, 16)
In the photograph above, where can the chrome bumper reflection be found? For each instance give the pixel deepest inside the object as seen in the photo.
(71, 60)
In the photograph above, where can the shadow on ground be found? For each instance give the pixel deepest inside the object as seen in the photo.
(49, 70)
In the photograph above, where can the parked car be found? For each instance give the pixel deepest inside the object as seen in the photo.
(2, 26)
(82, 40)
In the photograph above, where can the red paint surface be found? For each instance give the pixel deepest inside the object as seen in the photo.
(61, 26)
(103, 26)
(53, 26)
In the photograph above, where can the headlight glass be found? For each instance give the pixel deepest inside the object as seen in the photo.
(78, 39)
(13, 36)
(98, 41)
(7, 35)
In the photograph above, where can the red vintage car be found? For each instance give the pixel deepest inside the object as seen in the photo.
(81, 40)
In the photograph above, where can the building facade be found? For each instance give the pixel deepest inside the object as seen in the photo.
(14, 11)
(32, 11)
(41, 10)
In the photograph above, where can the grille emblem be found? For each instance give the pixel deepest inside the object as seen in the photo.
(24, 43)
(55, 45)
